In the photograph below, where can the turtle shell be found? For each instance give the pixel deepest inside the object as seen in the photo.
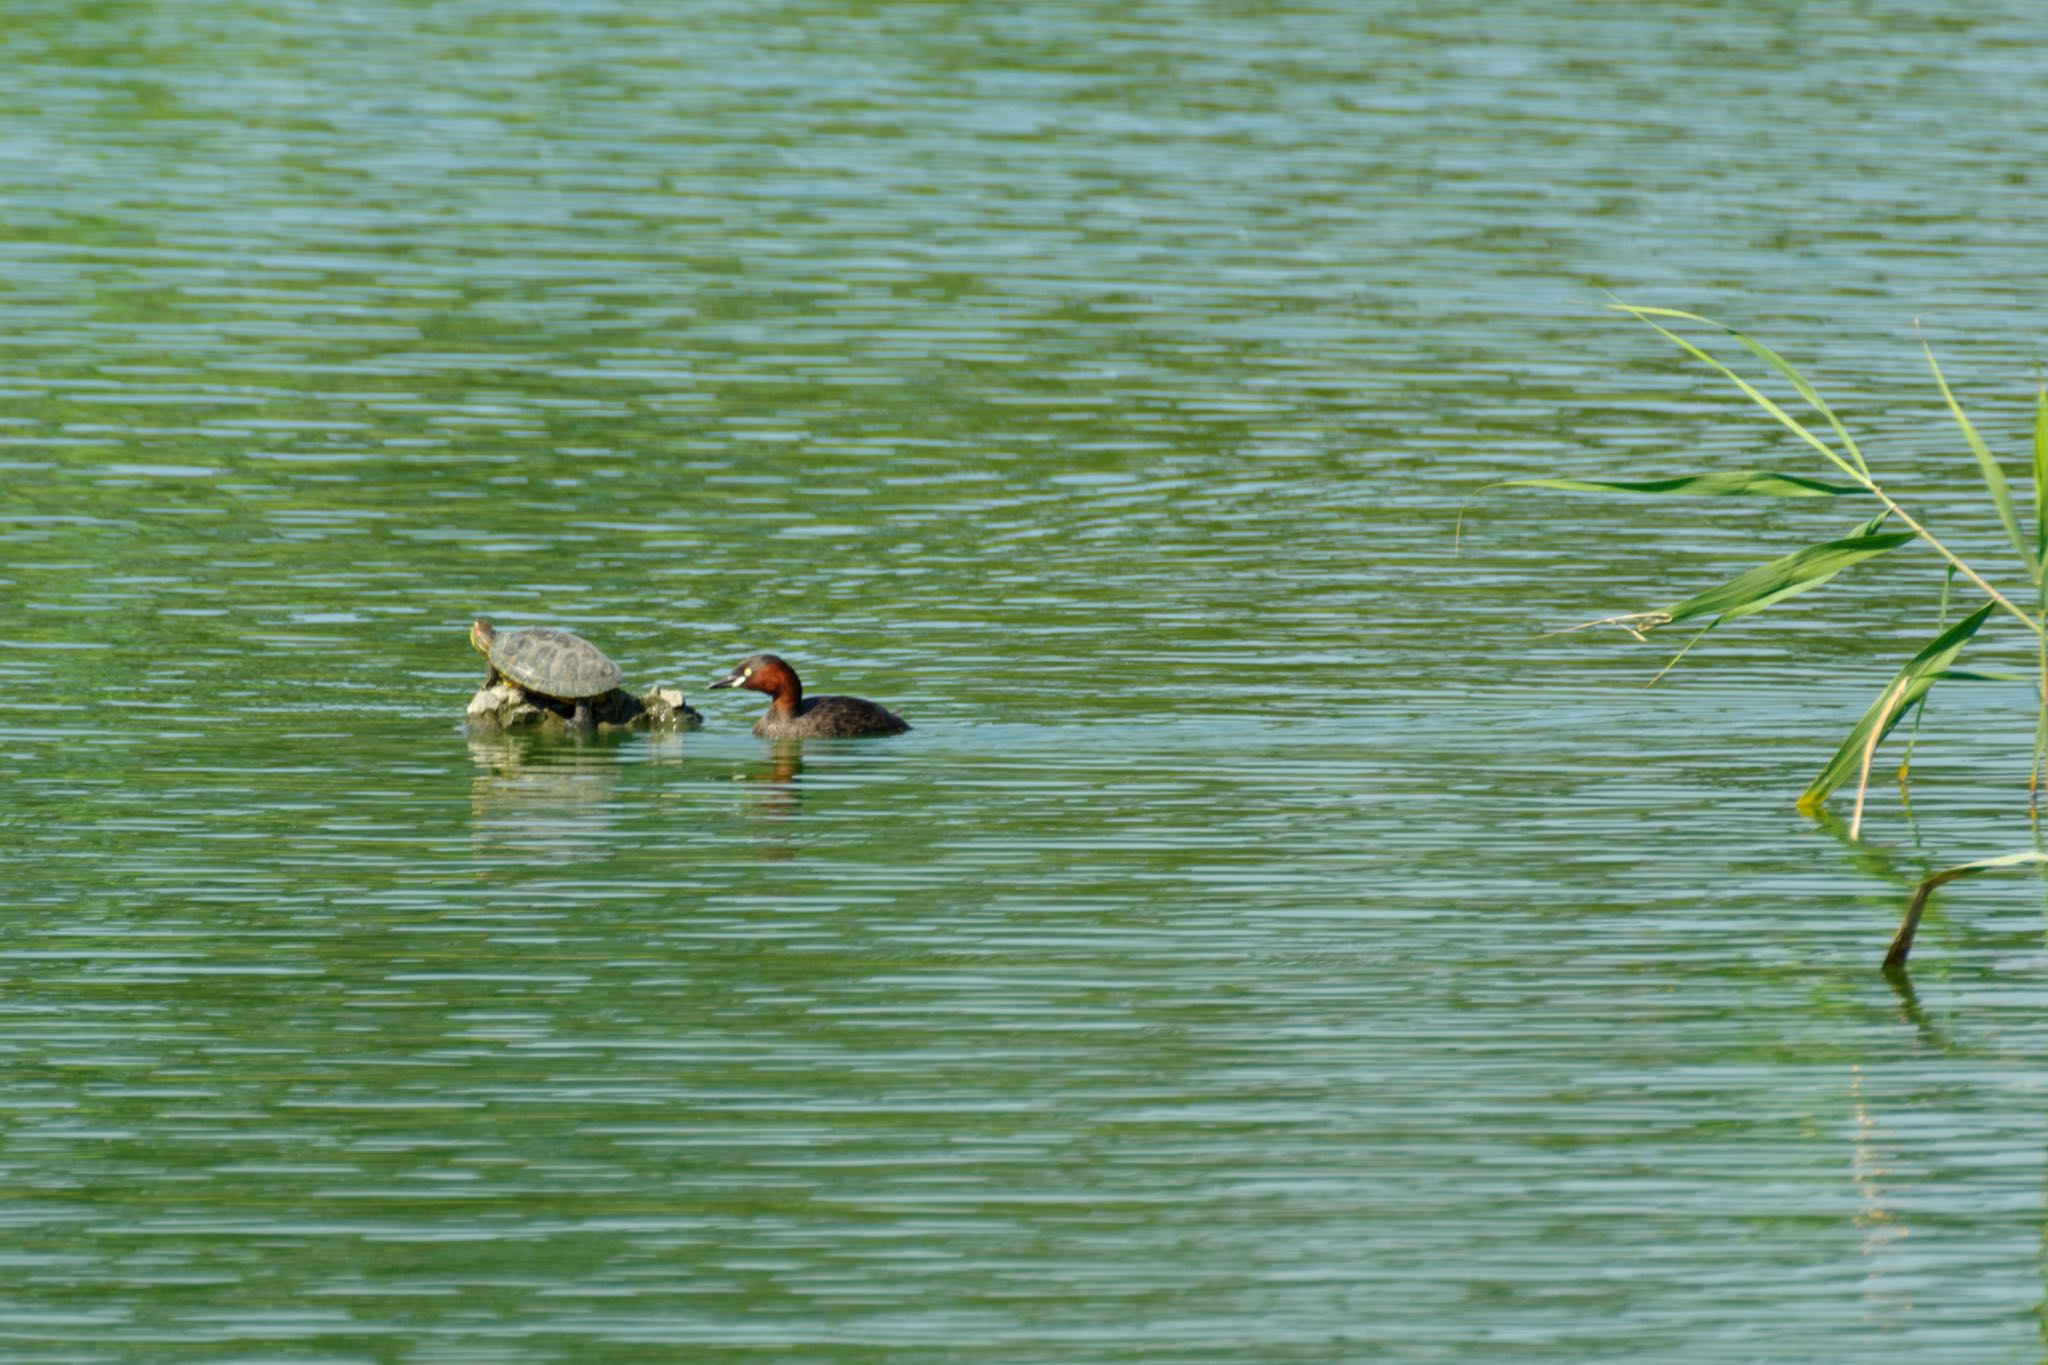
(554, 663)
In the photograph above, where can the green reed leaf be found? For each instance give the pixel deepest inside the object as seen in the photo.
(1643, 624)
(1994, 477)
(1775, 361)
(1902, 942)
(1786, 576)
(1723, 483)
(1997, 675)
(1755, 395)
(1911, 684)
(2041, 474)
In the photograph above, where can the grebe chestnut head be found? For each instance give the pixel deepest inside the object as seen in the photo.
(766, 673)
(792, 715)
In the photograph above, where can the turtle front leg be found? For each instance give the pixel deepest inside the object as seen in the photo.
(491, 675)
(581, 720)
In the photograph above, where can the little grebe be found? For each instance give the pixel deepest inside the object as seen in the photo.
(795, 716)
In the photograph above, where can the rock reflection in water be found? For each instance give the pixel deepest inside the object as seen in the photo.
(526, 782)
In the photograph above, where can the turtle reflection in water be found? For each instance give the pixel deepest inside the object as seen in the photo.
(563, 676)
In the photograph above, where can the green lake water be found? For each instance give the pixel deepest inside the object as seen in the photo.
(1266, 947)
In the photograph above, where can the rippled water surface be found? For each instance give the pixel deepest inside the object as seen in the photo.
(1264, 947)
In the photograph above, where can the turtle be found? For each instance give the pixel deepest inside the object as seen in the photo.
(547, 663)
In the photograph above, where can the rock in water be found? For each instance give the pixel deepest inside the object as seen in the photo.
(506, 706)
(665, 706)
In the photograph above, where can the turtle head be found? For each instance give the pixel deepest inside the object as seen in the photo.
(481, 635)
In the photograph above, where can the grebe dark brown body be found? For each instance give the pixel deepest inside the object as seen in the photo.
(792, 715)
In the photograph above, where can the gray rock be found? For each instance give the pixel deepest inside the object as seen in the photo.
(506, 706)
